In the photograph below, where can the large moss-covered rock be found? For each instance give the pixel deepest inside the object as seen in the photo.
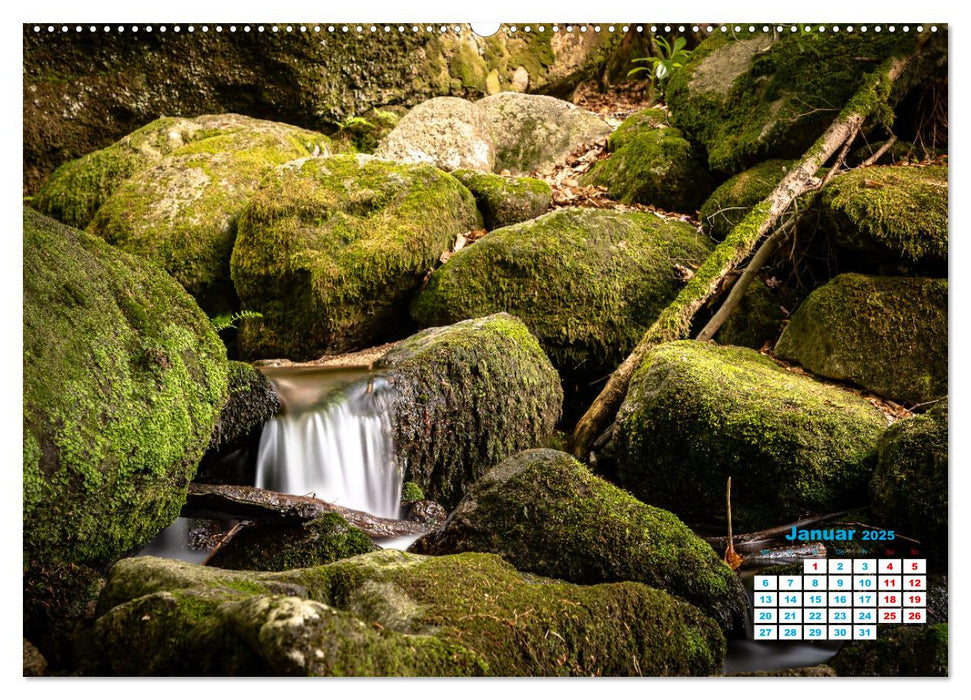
(124, 377)
(909, 490)
(746, 97)
(281, 546)
(534, 132)
(506, 200)
(893, 212)
(733, 199)
(447, 132)
(466, 397)
(82, 90)
(651, 163)
(78, 188)
(587, 282)
(393, 614)
(182, 212)
(697, 413)
(546, 513)
(330, 251)
(887, 334)
(907, 650)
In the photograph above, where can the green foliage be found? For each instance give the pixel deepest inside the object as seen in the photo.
(226, 321)
(411, 491)
(673, 57)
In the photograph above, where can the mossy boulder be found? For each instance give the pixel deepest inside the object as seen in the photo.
(535, 132)
(78, 188)
(506, 200)
(393, 614)
(907, 650)
(909, 488)
(124, 378)
(546, 513)
(698, 413)
(746, 98)
(330, 251)
(276, 547)
(756, 320)
(651, 163)
(587, 282)
(733, 199)
(887, 334)
(467, 396)
(447, 132)
(892, 212)
(182, 212)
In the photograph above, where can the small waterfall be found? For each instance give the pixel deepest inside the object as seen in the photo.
(333, 440)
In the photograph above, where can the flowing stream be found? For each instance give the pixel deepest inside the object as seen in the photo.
(332, 440)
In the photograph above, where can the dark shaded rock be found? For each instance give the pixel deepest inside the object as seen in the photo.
(820, 671)
(757, 319)
(34, 662)
(546, 513)
(252, 402)
(465, 397)
(909, 489)
(697, 413)
(506, 200)
(393, 614)
(907, 650)
(281, 546)
(586, 282)
(427, 512)
(330, 251)
(887, 334)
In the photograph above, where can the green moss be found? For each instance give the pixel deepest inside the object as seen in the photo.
(651, 164)
(78, 188)
(123, 379)
(909, 489)
(181, 213)
(887, 334)
(909, 650)
(466, 397)
(410, 491)
(892, 211)
(391, 613)
(697, 413)
(586, 282)
(546, 513)
(506, 200)
(278, 547)
(330, 250)
(772, 101)
(733, 199)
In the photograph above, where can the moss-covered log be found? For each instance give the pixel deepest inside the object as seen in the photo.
(675, 321)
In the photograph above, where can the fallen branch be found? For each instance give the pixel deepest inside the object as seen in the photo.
(880, 151)
(675, 321)
(251, 503)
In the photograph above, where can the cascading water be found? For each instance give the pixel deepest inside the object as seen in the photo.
(332, 440)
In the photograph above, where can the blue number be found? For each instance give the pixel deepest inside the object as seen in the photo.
(790, 633)
(813, 633)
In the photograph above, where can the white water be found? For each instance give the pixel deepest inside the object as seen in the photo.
(332, 441)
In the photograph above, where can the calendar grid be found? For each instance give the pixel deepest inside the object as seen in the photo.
(839, 599)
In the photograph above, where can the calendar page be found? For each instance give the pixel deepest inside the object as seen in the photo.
(518, 349)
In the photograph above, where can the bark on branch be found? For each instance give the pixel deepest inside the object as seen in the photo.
(675, 321)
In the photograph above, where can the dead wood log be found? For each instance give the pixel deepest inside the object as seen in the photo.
(675, 321)
(251, 503)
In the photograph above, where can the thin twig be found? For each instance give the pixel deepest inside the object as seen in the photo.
(880, 151)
